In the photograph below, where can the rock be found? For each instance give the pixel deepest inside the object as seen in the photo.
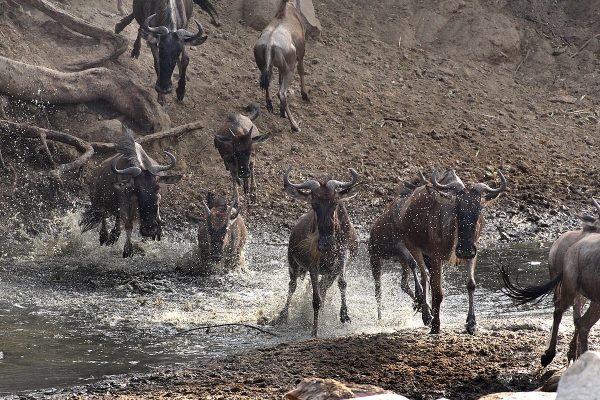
(258, 13)
(551, 383)
(519, 396)
(106, 131)
(330, 389)
(581, 381)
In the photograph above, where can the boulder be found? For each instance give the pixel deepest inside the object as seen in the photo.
(258, 13)
(520, 396)
(581, 381)
(330, 389)
(106, 131)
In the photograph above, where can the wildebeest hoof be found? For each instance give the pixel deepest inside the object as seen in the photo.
(128, 250)
(103, 237)
(135, 53)
(427, 318)
(112, 239)
(547, 358)
(471, 327)
(180, 94)
(344, 317)
(305, 96)
(296, 129)
(270, 106)
(281, 319)
(161, 100)
(282, 112)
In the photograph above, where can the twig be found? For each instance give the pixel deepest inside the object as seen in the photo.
(178, 130)
(396, 119)
(221, 325)
(522, 61)
(585, 45)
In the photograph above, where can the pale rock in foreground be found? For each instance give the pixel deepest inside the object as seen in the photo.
(581, 381)
(520, 396)
(330, 389)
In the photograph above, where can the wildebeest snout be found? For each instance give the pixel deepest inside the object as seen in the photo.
(148, 230)
(163, 89)
(466, 252)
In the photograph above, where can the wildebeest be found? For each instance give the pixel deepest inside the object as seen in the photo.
(236, 142)
(321, 239)
(572, 260)
(204, 4)
(163, 24)
(128, 186)
(442, 222)
(222, 234)
(281, 45)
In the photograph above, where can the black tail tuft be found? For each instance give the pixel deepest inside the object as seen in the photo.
(253, 109)
(528, 294)
(210, 10)
(90, 219)
(265, 79)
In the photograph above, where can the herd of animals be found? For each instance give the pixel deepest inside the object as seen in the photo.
(430, 223)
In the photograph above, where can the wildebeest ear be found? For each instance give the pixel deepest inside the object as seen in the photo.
(223, 139)
(297, 194)
(349, 192)
(122, 185)
(260, 138)
(169, 179)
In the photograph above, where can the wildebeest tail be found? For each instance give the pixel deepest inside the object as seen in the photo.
(90, 219)
(209, 9)
(535, 293)
(265, 74)
(253, 109)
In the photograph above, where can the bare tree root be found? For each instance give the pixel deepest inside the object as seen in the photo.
(30, 82)
(208, 327)
(80, 26)
(120, 7)
(34, 132)
(177, 131)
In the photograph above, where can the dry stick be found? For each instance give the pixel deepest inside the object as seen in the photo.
(221, 325)
(80, 26)
(2, 164)
(585, 44)
(178, 130)
(34, 132)
(522, 61)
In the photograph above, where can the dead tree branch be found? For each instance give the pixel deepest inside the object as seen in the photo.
(523, 61)
(34, 132)
(585, 45)
(78, 25)
(208, 327)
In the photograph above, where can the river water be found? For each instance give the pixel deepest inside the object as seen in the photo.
(72, 312)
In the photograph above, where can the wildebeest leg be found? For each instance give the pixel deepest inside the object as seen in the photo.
(574, 345)
(437, 294)
(183, 64)
(283, 315)
(591, 316)
(103, 230)
(268, 100)
(252, 184)
(342, 284)
(154, 49)
(123, 22)
(376, 270)
(115, 232)
(301, 73)
(560, 307)
(287, 76)
(135, 52)
(314, 279)
(471, 324)
(404, 283)
(420, 296)
(281, 107)
(128, 214)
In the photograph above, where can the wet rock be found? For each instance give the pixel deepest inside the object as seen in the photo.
(330, 389)
(580, 381)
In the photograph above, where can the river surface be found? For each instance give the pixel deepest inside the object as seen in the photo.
(72, 312)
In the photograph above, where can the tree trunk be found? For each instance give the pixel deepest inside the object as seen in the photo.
(29, 82)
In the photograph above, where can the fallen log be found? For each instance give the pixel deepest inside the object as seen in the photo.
(34, 132)
(78, 25)
(30, 82)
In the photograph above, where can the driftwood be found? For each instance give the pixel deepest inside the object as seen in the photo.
(208, 327)
(177, 131)
(34, 132)
(78, 25)
(30, 82)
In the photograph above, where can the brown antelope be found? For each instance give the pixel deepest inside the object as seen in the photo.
(321, 239)
(236, 142)
(566, 253)
(442, 222)
(222, 234)
(163, 25)
(128, 185)
(281, 45)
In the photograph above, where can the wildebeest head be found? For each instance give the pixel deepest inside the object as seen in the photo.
(242, 147)
(324, 196)
(143, 184)
(220, 214)
(468, 203)
(590, 223)
(170, 46)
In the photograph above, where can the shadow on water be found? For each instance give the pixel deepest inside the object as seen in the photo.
(72, 312)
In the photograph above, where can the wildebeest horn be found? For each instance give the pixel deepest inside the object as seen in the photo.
(133, 171)
(206, 207)
(190, 36)
(155, 169)
(159, 30)
(333, 184)
(437, 185)
(308, 184)
(595, 203)
(232, 133)
(422, 179)
(483, 188)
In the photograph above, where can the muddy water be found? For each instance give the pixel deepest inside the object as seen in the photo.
(72, 312)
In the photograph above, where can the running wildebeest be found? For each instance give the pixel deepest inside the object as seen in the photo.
(573, 258)
(281, 45)
(320, 240)
(236, 142)
(163, 24)
(442, 222)
(127, 186)
(222, 234)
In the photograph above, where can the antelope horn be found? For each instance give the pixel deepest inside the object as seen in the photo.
(333, 184)
(595, 203)
(159, 30)
(482, 187)
(133, 171)
(206, 209)
(436, 184)
(155, 169)
(190, 36)
(422, 179)
(308, 184)
(230, 131)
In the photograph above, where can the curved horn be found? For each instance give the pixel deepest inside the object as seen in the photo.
(133, 171)
(482, 187)
(230, 131)
(422, 179)
(155, 169)
(206, 209)
(190, 36)
(436, 184)
(159, 30)
(308, 184)
(595, 203)
(333, 184)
